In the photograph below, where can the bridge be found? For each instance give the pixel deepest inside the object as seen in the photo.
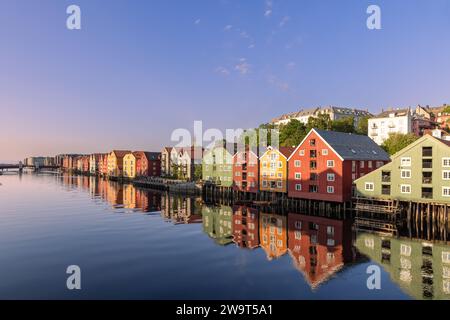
(20, 167)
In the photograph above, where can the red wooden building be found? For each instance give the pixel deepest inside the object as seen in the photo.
(148, 164)
(246, 171)
(319, 247)
(326, 163)
(246, 227)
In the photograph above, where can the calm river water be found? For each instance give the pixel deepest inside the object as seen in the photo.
(139, 244)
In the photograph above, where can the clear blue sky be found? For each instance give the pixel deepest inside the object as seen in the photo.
(139, 69)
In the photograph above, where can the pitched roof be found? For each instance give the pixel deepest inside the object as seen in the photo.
(152, 155)
(353, 146)
(397, 112)
(286, 151)
(121, 153)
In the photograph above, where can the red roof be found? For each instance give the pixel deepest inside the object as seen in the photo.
(287, 151)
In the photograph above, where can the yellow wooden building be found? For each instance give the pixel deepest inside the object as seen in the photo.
(129, 165)
(115, 162)
(273, 171)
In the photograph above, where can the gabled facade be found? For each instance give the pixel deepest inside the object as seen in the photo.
(246, 171)
(217, 165)
(166, 161)
(103, 164)
(129, 165)
(94, 163)
(273, 172)
(148, 164)
(115, 162)
(419, 173)
(325, 164)
(217, 223)
(319, 247)
(273, 234)
(246, 227)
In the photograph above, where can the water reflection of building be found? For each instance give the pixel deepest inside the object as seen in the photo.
(273, 235)
(422, 269)
(246, 227)
(319, 247)
(217, 223)
(180, 210)
(129, 196)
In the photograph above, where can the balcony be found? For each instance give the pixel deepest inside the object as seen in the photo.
(427, 178)
(427, 193)
(427, 152)
(386, 190)
(427, 164)
(313, 154)
(386, 176)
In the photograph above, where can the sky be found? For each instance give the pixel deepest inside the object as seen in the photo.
(139, 69)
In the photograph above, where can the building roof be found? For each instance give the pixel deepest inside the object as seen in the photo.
(286, 151)
(120, 153)
(397, 112)
(152, 155)
(353, 146)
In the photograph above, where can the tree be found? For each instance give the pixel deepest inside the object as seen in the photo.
(322, 122)
(292, 133)
(198, 173)
(346, 124)
(398, 141)
(362, 127)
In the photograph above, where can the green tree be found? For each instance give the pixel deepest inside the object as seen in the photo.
(292, 133)
(322, 122)
(198, 172)
(346, 124)
(398, 141)
(362, 127)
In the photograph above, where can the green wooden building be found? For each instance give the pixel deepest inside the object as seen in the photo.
(218, 223)
(418, 173)
(422, 269)
(217, 165)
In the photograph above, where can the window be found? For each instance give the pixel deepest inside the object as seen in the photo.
(273, 165)
(405, 174)
(405, 188)
(302, 152)
(313, 165)
(446, 162)
(313, 177)
(280, 164)
(264, 183)
(446, 256)
(313, 189)
(297, 163)
(405, 250)
(272, 174)
(279, 243)
(446, 191)
(298, 176)
(379, 164)
(313, 154)
(279, 184)
(427, 151)
(330, 189)
(427, 163)
(330, 163)
(312, 142)
(298, 187)
(446, 174)
(330, 177)
(298, 225)
(330, 231)
(264, 174)
(280, 175)
(330, 242)
(324, 152)
(298, 235)
(369, 164)
(273, 156)
(405, 162)
(264, 164)
(369, 186)
(237, 174)
(386, 189)
(361, 164)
